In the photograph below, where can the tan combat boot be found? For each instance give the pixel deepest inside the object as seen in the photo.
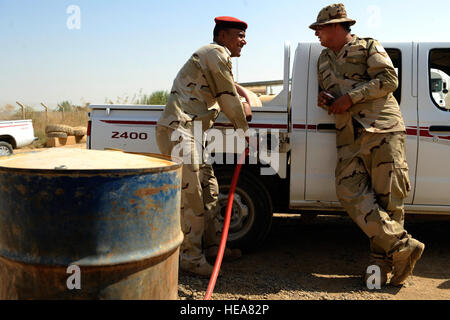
(202, 268)
(405, 260)
(228, 255)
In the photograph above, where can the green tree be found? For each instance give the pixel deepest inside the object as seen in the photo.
(65, 106)
(156, 98)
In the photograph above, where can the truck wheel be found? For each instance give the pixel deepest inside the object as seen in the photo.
(5, 149)
(251, 216)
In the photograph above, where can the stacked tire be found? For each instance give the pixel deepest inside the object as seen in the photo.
(58, 131)
(79, 132)
(63, 131)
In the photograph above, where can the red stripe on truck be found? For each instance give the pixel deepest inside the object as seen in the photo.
(153, 123)
(16, 125)
(410, 131)
(304, 126)
(150, 123)
(254, 125)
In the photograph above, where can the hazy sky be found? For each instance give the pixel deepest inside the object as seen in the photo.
(87, 50)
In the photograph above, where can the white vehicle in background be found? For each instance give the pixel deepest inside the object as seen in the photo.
(439, 87)
(15, 134)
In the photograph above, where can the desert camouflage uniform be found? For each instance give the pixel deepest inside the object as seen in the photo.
(204, 80)
(371, 173)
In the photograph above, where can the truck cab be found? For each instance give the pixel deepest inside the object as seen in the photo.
(15, 134)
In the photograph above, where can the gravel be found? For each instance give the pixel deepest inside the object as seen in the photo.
(323, 259)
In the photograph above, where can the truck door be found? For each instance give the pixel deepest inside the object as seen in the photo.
(320, 141)
(321, 135)
(433, 175)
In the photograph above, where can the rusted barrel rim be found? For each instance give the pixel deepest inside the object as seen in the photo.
(178, 163)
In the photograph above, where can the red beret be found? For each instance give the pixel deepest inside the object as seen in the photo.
(231, 22)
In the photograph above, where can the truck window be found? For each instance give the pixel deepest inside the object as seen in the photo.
(396, 57)
(439, 70)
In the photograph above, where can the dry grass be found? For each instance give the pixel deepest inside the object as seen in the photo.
(77, 118)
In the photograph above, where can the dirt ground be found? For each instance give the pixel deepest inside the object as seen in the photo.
(32, 149)
(323, 259)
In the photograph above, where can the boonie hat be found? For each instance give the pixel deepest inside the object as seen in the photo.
(230, 22)
(334, 13)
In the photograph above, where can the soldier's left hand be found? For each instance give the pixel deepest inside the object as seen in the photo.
(340, 105)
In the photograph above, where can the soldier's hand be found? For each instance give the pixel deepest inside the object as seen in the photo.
(247, 111)
(341, 105)
(323, 98)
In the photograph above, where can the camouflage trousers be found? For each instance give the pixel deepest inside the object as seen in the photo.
(199, 195)
(371, 183)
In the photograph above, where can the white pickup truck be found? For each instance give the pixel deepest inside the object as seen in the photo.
(15, 134)
(304, 180)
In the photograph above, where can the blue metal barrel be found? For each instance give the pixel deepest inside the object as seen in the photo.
(118, 222)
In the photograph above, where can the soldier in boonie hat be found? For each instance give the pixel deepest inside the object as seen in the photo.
(334, 13)
(357, 80)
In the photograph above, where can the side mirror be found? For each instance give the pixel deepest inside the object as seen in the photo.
(445, 91)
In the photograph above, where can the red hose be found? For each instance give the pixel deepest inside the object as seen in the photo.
(226, 226)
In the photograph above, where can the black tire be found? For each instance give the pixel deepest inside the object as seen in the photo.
(5, 149)
(247, 232)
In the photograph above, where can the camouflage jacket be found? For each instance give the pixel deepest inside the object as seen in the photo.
(364, 71)
(206, 78)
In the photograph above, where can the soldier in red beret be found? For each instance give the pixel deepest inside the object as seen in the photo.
(203, 87)
(233, 36)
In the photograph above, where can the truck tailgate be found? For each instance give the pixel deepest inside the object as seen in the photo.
(126, 127)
